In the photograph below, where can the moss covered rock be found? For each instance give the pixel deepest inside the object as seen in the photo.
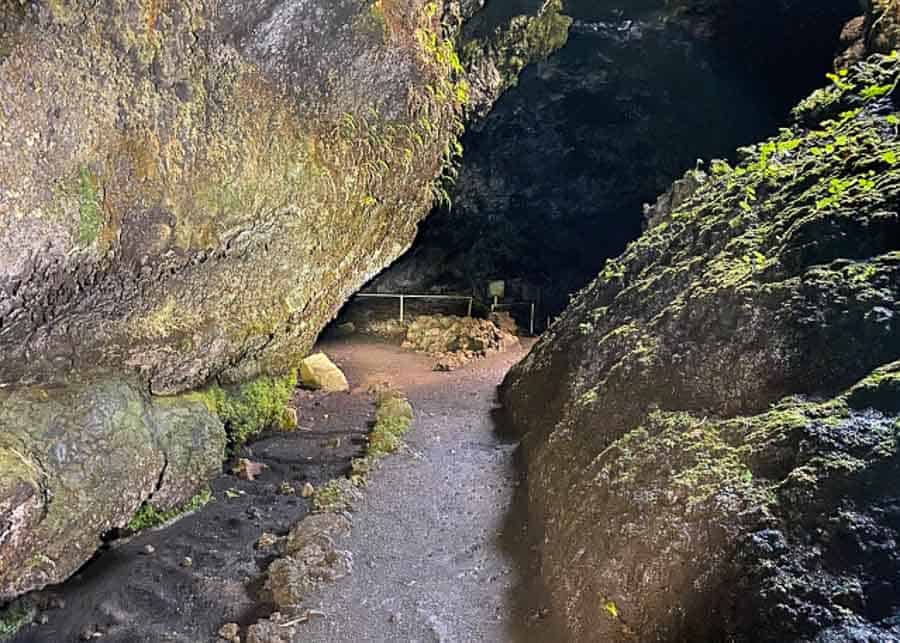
(79, 460)
(711, 427)
(188, 193)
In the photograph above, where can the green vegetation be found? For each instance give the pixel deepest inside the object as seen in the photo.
(250, 408)
(447, 95)
(148, 516)
(528, 39)
(393, 415)
(90, 220)
(14, 617)
(334, 496)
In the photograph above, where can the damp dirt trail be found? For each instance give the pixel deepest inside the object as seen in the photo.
(440, 547)
(439, 541)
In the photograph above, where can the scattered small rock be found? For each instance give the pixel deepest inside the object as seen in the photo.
(149, 550)
(311, 557)
(231, 632)
(267, 542)
(247, 469)
(275, 629)
(344, 330)
(333, 443)
(187, 561)
(454, 341)
(308, 490)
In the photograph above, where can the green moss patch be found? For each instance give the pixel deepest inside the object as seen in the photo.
(14, 617)
(90, 219)
(149, 516)
(250, 408)
(335, 496)
(393, 415)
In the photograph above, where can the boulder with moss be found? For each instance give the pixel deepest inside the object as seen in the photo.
(188, 193)
(62, 490)
(711, 428)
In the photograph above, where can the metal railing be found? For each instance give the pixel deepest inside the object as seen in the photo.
(495, 305)
(403, 298)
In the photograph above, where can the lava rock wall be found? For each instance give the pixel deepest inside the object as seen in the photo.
(711, 428)
(188, 192)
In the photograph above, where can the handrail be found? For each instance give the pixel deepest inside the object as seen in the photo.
(403, 297)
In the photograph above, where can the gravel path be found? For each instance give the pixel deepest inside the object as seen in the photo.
(439, 547)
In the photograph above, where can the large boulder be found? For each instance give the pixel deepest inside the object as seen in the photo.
(188, 193)
(76, 461)
(711, 428)
(319, 373)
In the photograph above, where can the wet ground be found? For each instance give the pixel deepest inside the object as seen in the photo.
(439, 542)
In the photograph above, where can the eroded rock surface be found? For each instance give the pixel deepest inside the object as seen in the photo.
(712, 426)
(552, 181)
(61, 490)
(188, 192)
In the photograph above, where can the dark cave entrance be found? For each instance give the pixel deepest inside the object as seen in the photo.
(553, 181)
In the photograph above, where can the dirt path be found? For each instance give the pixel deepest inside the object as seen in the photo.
(438, 544)
(439, 548)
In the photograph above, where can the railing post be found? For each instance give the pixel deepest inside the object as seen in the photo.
(532, 319)
(401, 309)
(469, 314)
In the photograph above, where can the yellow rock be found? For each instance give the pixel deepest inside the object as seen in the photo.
(317, 372)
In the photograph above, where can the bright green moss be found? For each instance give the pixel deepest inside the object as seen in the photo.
(334, 496)
(148, 516)
(90, 220)
(250, 408)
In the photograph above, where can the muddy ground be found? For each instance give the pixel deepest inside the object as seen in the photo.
(439, 544)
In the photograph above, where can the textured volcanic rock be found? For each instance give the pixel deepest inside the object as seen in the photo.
(188, 192)
(712, 426)
(553, 180)
(61, 488)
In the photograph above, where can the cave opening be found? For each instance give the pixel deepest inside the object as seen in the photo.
(553, 180)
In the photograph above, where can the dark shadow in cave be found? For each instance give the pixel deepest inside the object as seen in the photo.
(553, 181)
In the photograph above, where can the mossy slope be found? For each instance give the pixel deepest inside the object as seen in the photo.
(711, 427)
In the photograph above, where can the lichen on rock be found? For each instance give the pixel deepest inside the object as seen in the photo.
(711, 427)
(188, 193)
(80, 459)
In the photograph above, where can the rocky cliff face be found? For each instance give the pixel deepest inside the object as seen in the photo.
(553, 180)
(188, 192)
(712, 426)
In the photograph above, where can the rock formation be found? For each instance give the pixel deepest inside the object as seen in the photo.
(711, 428)
(552, 181)
(188, 192)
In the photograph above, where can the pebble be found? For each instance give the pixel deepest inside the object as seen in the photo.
(149, 549)
(308, 490)
(230, 632)
(187, 562)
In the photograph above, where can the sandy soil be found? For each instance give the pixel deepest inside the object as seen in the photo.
(439, 542)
